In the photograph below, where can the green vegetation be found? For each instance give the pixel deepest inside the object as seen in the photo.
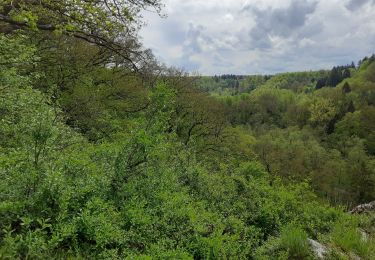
(349, 239)
(106, 155)
(324, 136)
(295, 241)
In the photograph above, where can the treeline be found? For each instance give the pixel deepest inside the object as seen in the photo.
(336, 76)
(230, 84)
(236, 84)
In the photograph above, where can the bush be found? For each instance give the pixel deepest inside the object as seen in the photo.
(294, 240)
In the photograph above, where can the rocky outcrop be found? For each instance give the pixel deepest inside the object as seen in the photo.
(363, 208)
(319, 250)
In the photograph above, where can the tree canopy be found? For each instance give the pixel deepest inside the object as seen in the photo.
(110, 24)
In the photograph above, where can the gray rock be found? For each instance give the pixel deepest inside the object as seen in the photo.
(354, 257)
(367, 207)
(319, 250)
(364, 235)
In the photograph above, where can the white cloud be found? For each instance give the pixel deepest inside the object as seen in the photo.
(261, 36)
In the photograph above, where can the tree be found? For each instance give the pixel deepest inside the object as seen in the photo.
(346, 88)
(110, 24)
(320, 83)
(236, 87)
(322, 111)
(335, 77)
(346, 73)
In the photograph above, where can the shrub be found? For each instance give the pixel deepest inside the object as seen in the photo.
(294, 240)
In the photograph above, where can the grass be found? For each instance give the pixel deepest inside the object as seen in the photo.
(346, 236)
(294, 240)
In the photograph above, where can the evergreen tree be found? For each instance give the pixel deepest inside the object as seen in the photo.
(346, 73)
(334, 77)
(321, 83)
(346, 88)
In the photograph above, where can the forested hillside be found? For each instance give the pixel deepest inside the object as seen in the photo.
(106, 154)
(303, 131)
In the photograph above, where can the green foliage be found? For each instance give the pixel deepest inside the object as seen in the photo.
(16, 56)
(227, 85)
(294, 240)
(347, 237)
(296, 81)
(312, 135)
(291, 244)
(322, 111)
(76, 17)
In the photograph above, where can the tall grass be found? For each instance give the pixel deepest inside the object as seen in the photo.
(294, 240)
(347, 236)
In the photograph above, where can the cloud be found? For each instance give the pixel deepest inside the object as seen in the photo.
(197, 40)
(283, 21)
(261, 36)
(277, 22)
(354, 5)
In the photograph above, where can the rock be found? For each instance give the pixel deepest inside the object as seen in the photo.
(319, 250)
(367, 207)
(364, 235)
(354, 257)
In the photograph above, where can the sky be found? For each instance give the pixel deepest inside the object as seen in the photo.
(260, 36)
